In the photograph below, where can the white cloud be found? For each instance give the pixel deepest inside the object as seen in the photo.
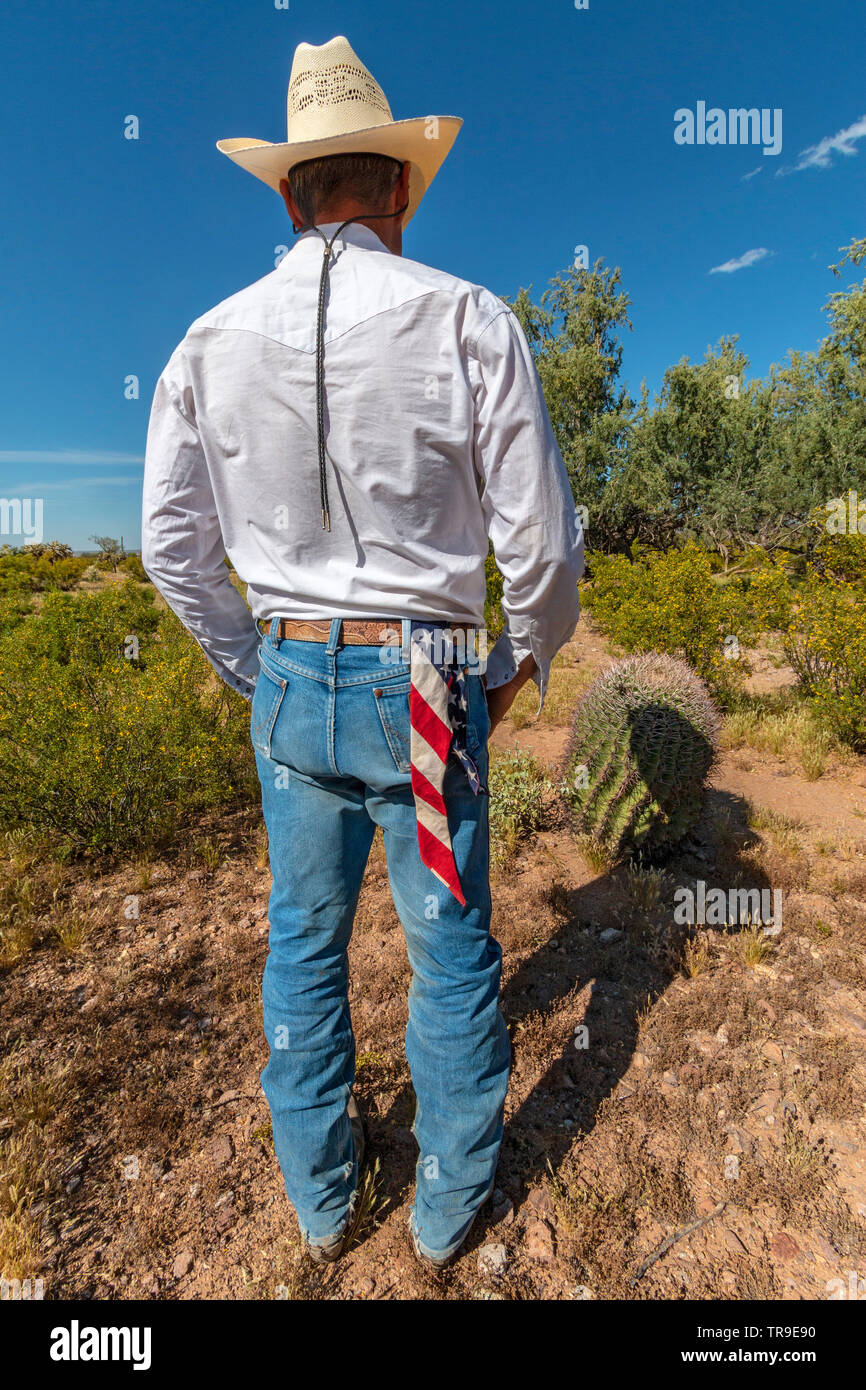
(35, 489)
(741, 262)
(92, 457)
(752, 172)
(820, 156)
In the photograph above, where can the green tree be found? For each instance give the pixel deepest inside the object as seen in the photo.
(110, 552)
(574, 337)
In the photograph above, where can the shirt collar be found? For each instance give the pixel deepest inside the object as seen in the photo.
(356, 234)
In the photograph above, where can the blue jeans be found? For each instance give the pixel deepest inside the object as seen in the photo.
(330, 728)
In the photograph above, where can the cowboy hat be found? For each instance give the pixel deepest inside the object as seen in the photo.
(336, 106)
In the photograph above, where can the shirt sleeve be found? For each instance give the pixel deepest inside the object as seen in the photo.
(182, 547)
(531, 517)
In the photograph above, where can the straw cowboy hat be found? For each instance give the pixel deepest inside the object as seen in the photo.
(336, 106)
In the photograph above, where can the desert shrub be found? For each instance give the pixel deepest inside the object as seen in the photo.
(834, 548)
(34, 568)
(669, 602)
(91, 629)
(493, 619)
(131, 564)
(65, 574)
(113, 729)
(518, 793)
(822, 624)
(15, 604)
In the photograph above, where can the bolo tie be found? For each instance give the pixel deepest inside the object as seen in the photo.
(437, 697)
(320, 347)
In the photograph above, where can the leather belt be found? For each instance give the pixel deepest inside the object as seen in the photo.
(354, 632)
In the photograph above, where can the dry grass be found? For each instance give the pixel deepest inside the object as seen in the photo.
(29, 1101)
(209, 853)
(28, 1097)
(17, 936)
(696, 959)
(645, 886)
(792, 1177)
(781, 828)
(597, 856)
(261, 847)
(72, 930)
(368, 1202)
(142, 869)
(30, 885)
(775, 726)
(23, 1178)
(828, 1081)
(751, 946)
(567, 682)
(603, 1215)
(504, 845)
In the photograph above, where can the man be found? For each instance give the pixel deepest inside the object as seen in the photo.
(350, 430)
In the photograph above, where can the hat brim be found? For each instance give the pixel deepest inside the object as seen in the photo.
(404, 140)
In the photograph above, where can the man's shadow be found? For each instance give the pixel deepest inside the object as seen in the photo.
(624, 975)
(620, 980)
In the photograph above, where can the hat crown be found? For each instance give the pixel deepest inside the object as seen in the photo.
(331, 92)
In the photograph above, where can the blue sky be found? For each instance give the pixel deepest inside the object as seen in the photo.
(112, 246)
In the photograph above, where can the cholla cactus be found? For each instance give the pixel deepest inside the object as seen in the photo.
(644, 740)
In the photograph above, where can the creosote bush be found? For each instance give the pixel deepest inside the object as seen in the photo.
(518, 791)
(113, 730)
(822, 625)
(669, 601)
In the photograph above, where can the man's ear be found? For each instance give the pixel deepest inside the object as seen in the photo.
(291, 206)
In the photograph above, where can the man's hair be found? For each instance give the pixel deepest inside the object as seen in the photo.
(316, 183)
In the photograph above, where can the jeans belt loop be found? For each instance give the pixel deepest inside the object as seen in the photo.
(274, 632)
(334, 636)
(406, 632)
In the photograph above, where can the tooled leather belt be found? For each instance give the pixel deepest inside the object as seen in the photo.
(438, 707)
(354, 632)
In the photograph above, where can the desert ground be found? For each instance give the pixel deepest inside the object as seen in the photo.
(709, 1141)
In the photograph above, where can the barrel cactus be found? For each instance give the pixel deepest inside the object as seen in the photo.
(644, 740)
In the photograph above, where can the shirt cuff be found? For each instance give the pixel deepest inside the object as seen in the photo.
(237, 680)
(243, 688)
(244, 685)
(503, 660)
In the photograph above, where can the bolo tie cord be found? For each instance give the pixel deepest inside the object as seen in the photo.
(320, 348)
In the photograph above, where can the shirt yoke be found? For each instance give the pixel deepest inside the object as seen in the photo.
(282, 305)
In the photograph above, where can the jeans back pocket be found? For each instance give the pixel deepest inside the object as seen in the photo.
(392, 702)
(267, 698)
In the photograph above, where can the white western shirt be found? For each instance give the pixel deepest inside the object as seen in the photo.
(437, 438)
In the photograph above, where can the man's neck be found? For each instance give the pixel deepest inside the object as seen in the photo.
(387, 229)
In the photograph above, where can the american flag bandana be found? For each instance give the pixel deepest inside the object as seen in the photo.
(437, 715)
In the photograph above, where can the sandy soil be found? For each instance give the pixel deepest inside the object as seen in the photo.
(719, 1102)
